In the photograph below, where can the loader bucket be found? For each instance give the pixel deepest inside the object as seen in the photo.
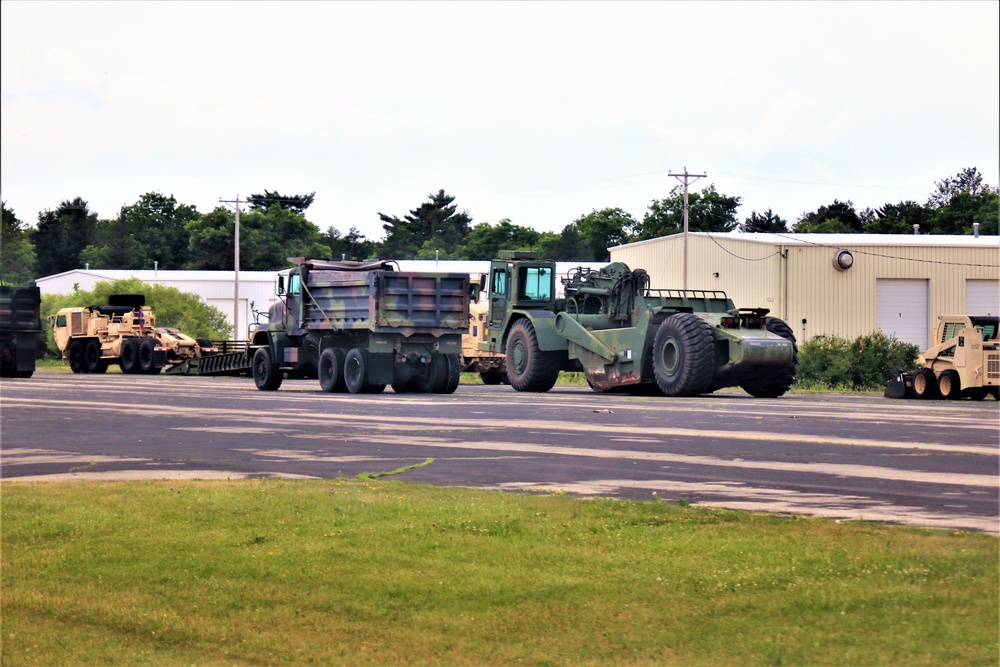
(900, 386)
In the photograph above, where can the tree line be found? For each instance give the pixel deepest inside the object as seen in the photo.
(158, 230)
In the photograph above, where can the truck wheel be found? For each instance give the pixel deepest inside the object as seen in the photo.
(130, 356)
(331, 370)
(147, 350)
(76, 358)
(774, 382)
(978, 393)
(950, 385)
(266, 375)
(683, 355)
(492, 376)
(528, 368)
(205, 343)
(92, 358)
(356, 373)
(454, 374)
(925, 385)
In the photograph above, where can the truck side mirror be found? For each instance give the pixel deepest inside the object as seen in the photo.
(281, 285)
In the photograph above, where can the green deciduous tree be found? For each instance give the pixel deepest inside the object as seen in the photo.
(434, 225)
(17, 255)
(352, 245)
(708, 211)
(567, 245)
(837, 218)
(154, 229)
(267, 239)
(61, 236)
(484, 240)
(604, 229)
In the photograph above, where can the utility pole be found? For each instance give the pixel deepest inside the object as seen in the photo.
(236, 267)
(684, 178)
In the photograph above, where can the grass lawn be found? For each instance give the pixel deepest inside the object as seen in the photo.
(371, 571)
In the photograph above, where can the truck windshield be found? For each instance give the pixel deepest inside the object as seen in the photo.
(535, 284)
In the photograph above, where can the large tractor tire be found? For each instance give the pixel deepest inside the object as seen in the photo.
(331, 370)
(266, 374)
(684, 355)
(528, 367)
(925, 385)
(434, 380)
(77, 361)
(950, 385)
(356, 373)
(775, 381)
(147, 354)
(130, 356)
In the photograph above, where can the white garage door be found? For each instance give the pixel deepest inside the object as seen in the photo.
(901, 310)
(982, 297)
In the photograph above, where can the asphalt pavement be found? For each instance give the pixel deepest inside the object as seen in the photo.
(933, 464)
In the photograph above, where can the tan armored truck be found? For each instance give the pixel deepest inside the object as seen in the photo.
(964, 362)
(124, 332)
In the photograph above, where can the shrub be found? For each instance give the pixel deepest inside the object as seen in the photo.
(869, 362)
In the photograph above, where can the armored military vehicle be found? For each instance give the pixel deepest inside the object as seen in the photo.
(628, 337)
(123, 332)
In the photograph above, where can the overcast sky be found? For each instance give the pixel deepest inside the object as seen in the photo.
(534, 111)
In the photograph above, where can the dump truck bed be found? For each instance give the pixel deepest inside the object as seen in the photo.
(385, 300)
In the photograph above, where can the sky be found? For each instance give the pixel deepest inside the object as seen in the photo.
(536, 112)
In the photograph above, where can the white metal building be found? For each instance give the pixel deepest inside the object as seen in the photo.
(846, 285)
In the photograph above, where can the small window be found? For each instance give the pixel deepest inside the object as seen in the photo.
(499, 281)
(536, 284)
(294, 283)
(61, 321)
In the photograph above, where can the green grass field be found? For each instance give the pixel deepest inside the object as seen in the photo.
(375, 572)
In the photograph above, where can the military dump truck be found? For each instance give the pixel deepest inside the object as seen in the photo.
(491, 366)
(91, 338)
(628, 337)
(359, 326)
(19, 328)
(964, 362)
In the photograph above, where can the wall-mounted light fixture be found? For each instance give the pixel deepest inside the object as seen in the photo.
(843, 260)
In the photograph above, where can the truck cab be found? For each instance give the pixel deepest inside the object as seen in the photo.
(518, 282)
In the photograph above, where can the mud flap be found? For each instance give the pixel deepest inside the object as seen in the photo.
(900, 386)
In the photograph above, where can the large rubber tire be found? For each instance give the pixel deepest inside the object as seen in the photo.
(331, 370)
(493, 376)
(130, 356)
(528, 368)
(684, 355)
(978, 393)
(454, 374)
(774, 382)
(266, 375)
(77, 362)
(203, 343)
(356, 373)
(925, 385)
(147, 353)
(92, 357)
(436, 377)
(950, 385)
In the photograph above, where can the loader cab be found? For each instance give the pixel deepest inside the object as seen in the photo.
(518, 280)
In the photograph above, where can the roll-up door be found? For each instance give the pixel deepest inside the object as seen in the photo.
(901, 310)
(982, 297)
